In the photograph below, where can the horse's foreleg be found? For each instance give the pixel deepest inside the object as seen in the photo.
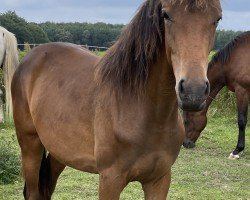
(111, 184)
(242, 107)
(157, 189)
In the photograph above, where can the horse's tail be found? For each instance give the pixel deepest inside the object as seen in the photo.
(9, 66)
(45, 177)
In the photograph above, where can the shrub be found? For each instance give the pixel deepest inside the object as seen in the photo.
(9, 159)
(25, 51)
(224, 105)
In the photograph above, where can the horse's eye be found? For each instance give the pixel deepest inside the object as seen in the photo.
(186, 122)
(217, 21)
(166, 16)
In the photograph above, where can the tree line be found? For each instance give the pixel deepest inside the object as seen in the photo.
(97, 34)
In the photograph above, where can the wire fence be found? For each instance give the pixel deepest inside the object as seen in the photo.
(92, 48)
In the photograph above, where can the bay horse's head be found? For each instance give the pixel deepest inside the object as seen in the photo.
(190, 27)
(194, 123)
(181, 30)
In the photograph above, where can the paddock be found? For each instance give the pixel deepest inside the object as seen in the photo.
(203, 173)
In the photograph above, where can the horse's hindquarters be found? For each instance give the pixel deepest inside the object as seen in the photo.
(57, 98)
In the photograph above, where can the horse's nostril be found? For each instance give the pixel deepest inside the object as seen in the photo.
(181, 86)
(188, 144)
(207, 88)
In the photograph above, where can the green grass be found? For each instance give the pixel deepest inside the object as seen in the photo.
(203, 173)
(9, 159)
(100, 53)
(212, 53)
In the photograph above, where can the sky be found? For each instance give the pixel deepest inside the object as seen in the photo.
(236, 13)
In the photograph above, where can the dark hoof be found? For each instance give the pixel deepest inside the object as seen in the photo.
(188, 144)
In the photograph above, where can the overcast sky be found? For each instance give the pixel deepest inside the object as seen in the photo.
(236, 13)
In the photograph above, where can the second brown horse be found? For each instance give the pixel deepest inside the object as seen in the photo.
(116, 116)
(229, 67)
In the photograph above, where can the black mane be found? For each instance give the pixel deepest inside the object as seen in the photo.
(126, 65)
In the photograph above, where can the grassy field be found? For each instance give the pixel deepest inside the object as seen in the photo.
(203, 173)
(100, 53)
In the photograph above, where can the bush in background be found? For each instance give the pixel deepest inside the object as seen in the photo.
(224, 106)
(9, 156)
(26, 49)
(224, 103)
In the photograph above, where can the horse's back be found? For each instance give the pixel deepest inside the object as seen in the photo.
(55, 69)
(237, 67)
(53, 92)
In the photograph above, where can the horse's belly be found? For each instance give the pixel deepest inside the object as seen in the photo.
(74, 148)
(238, 78)
(62, 112)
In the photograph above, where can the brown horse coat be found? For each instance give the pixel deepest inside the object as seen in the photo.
(117, 116)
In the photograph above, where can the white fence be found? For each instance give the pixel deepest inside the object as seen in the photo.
(92, 48)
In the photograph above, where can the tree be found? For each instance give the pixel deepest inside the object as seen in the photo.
(223, 37)
(98, 34)
(16, 25)
(39, 36)
(62, 35)
(24, 31)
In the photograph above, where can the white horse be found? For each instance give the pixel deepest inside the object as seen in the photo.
(8, 63)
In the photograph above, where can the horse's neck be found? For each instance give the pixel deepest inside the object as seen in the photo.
(216, 78)
(161, 88)
(154, 108)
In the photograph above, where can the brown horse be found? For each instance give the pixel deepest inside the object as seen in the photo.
(116, 116)
(229, 67)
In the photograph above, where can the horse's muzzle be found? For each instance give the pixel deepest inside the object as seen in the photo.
(192, 96)
(189, 144)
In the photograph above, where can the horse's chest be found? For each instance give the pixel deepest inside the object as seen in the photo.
(237, 77)
(159, 154)
(151, 166)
